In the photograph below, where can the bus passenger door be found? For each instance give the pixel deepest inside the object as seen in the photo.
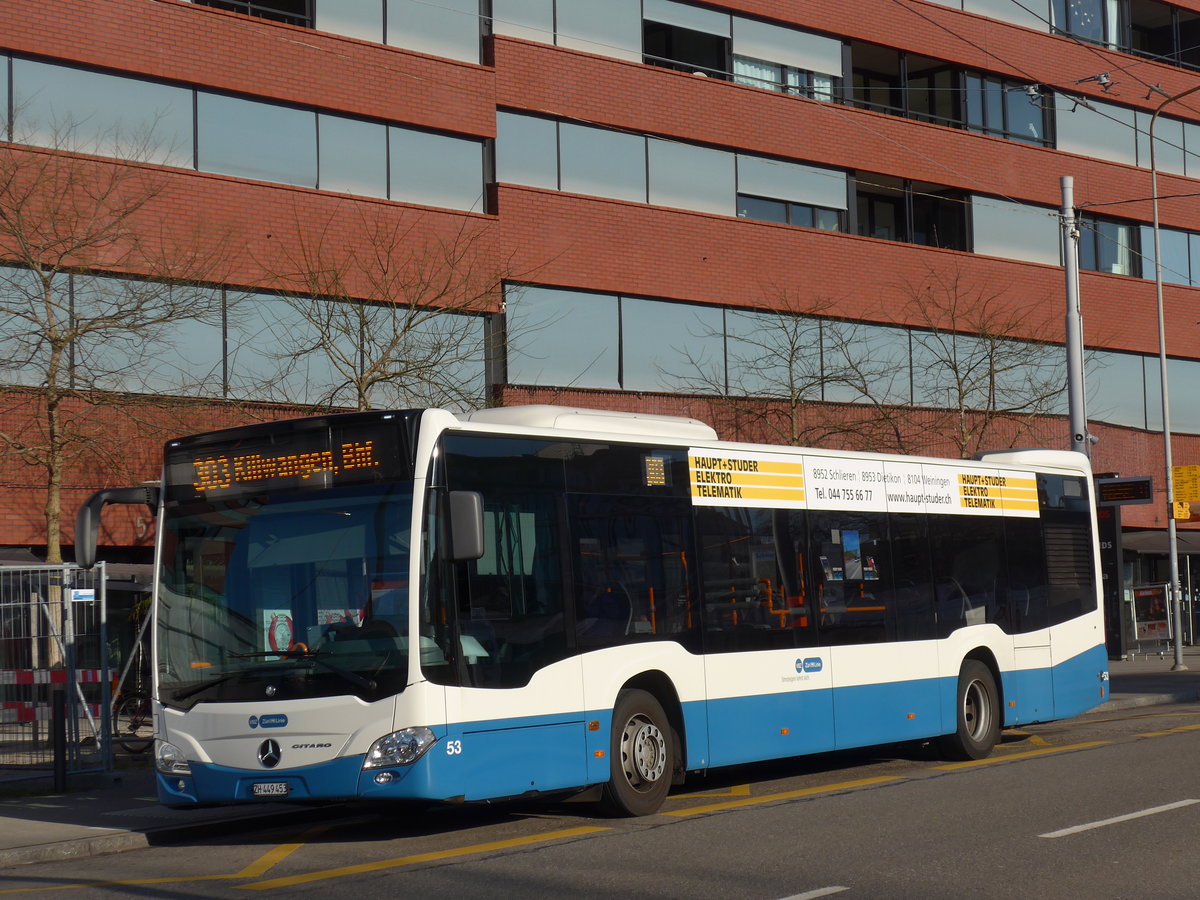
(768, 684)
(516, 713)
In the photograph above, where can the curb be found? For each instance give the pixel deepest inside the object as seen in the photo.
(122, 841)
(1139, 700)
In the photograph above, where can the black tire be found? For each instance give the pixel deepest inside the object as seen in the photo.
(641, 756)
(977, 713)
(133, 723)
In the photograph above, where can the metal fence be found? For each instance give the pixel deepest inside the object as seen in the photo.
(53, 640)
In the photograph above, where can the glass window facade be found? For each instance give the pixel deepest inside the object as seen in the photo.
(435, 169)
(362, 19)
(91, 112)
(1105, 132)
(602, 163)
(611, 28)
(691, 177)
(110, 115)
(777, 179)
(353, 156)
(526, 150)
(532, 20)
(1015, 230)
(676, 344)
(563, 338)
(256, 140)
(448, 28)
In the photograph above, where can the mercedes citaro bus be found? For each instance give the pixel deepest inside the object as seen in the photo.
(415, 604)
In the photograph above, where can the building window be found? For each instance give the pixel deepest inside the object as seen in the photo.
(1097, 21)
(250, 139)
(1163, 32)
(1006, 109)
(933, 94)
(1107, 245)
(686, 49)
(784, 79)
(293, 12)
(912, 212)
(772, 190)
(764, 209)
(876, 78)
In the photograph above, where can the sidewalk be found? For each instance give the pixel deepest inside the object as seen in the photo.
(119, 811)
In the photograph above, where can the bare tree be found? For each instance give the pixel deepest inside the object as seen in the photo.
(774, 355)
(395, 317)
(951, 382)
(988, 388)
(73, 336)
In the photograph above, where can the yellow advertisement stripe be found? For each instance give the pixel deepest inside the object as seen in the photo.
(730, 464)
(737, 492)
(710, 476)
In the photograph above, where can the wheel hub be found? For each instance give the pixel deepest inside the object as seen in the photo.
(643, 752)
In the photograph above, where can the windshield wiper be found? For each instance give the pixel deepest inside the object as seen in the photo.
(301, 652)
(205, 685)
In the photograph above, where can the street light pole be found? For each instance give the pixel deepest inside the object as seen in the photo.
(1172, 546)
(1076, 405)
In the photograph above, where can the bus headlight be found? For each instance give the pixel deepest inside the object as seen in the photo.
(400, 748)
(170, 760)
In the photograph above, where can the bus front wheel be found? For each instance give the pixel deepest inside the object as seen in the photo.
(641, 756)
(977, 708)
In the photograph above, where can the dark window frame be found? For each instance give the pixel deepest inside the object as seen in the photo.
(279, 11)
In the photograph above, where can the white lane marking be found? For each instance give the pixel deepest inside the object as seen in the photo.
(1075, 829)
(819, 892)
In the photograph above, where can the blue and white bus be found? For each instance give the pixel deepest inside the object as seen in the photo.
(414, 604)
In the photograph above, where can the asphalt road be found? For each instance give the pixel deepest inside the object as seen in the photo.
(1098, 807)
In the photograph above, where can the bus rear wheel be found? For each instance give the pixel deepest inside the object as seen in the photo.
(977, 706)
(641, 756)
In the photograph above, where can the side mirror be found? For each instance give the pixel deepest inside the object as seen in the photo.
(464, 511)
(87, 520)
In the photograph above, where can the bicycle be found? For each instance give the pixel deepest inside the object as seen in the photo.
(133, 722)
(132, 710)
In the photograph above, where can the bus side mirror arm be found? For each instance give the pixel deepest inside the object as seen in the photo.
(465, 513)
(87, 520)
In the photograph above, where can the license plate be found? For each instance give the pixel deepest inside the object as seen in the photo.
(270, 789)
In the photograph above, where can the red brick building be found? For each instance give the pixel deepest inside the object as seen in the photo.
(671, 204)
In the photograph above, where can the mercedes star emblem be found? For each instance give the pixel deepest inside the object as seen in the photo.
(269, 754)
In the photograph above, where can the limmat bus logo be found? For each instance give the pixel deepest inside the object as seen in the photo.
(812, 664)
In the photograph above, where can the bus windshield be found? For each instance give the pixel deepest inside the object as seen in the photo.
(285, 595)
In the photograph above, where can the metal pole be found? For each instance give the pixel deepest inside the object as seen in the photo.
(1076, 403)
(1168, 462)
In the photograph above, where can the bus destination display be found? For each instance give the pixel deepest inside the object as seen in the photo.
(320, 458)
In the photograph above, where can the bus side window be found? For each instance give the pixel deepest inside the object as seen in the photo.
(853, 591)
(630, 567)
(754, 596)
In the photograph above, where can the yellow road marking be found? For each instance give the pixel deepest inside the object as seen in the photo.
(738, 790)
(1178, 730)
(276, 855)
(785, 795)
(259, 867)
(434, 856)
(174, 879)
(1027, 754)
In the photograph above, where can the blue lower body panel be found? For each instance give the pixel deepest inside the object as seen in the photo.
(1081, 683)
(487, 760)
